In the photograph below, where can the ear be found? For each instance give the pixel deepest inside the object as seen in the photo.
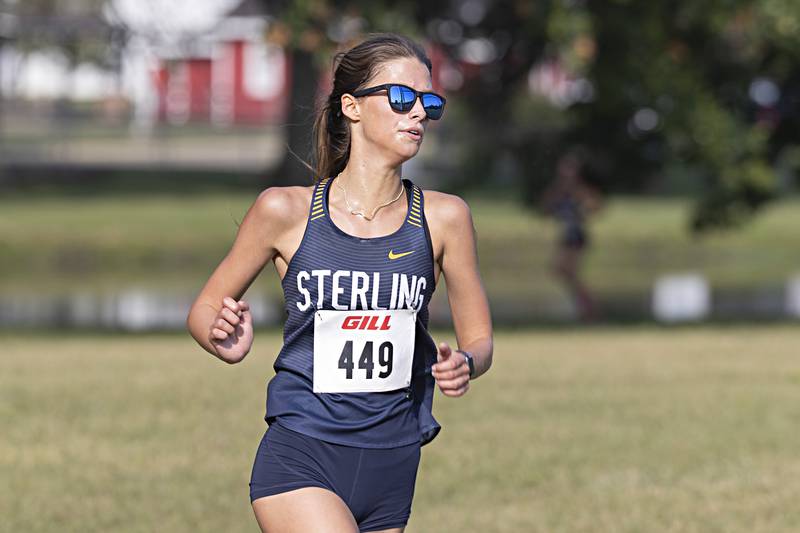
(350, 107)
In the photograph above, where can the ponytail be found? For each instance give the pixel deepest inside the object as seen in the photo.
(331, 140)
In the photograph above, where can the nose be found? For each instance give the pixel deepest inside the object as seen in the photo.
(418, 111)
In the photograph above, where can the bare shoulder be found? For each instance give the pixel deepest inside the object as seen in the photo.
(283, 205)
(445, 209)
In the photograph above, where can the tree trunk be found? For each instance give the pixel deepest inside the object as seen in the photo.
(2, 139)
(304, 80)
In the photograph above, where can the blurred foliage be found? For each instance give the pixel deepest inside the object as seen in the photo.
(666, 89)
(691, 65)
(665, 96)
(75, 27)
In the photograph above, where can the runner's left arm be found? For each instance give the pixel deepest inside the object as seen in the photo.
(469, 305)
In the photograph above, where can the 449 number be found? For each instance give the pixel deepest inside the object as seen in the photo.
(367, 359)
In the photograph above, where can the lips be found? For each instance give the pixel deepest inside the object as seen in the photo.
(414, 133)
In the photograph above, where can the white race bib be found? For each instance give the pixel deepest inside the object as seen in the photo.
(363, 351)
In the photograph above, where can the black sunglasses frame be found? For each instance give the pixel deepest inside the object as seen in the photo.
(400, 109)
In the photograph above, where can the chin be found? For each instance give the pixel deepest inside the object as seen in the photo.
(408, 151)
(402, 158)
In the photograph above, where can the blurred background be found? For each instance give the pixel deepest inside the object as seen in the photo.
(624, 161)
(629, 165)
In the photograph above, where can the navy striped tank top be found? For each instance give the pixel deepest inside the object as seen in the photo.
(322, 274)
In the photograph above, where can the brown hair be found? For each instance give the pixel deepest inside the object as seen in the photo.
(352, 69)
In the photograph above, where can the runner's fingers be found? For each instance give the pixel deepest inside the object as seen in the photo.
(243, 305)
(454, 383)
(445, 376)
(455, 392)
(444, 351)
(231, 304)
(447, 364)
(218, 334)
(230, 316)
(222, 324)
(441, 372)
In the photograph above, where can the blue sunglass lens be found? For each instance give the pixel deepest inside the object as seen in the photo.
(401, 98)
(433, 105)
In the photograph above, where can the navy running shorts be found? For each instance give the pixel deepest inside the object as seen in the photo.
(376, 484)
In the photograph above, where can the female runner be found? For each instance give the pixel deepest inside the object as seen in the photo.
(359, 254)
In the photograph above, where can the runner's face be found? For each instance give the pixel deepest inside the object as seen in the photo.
(399, 135)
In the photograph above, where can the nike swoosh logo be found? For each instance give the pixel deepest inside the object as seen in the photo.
(393, 255)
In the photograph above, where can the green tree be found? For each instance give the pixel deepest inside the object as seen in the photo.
(76, 28)
(665, 89)
(689, 66)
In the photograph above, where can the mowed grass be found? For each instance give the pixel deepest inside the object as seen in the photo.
(623, 430)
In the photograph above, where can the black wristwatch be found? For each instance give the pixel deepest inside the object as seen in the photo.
(470, 362)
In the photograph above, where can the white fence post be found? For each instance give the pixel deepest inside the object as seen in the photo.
(681, 298)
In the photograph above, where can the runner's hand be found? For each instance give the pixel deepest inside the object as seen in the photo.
(232, 330)
(451, 372)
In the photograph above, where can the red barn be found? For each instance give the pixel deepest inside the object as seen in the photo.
(233, 76)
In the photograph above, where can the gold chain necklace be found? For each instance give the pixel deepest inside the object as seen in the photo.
(362, 214)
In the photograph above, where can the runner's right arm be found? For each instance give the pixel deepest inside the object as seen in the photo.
(219, 320)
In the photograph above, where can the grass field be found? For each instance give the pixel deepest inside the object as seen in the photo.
(96, 243)
(612, 430)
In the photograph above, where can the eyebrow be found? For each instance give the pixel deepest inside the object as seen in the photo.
(428, 89)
